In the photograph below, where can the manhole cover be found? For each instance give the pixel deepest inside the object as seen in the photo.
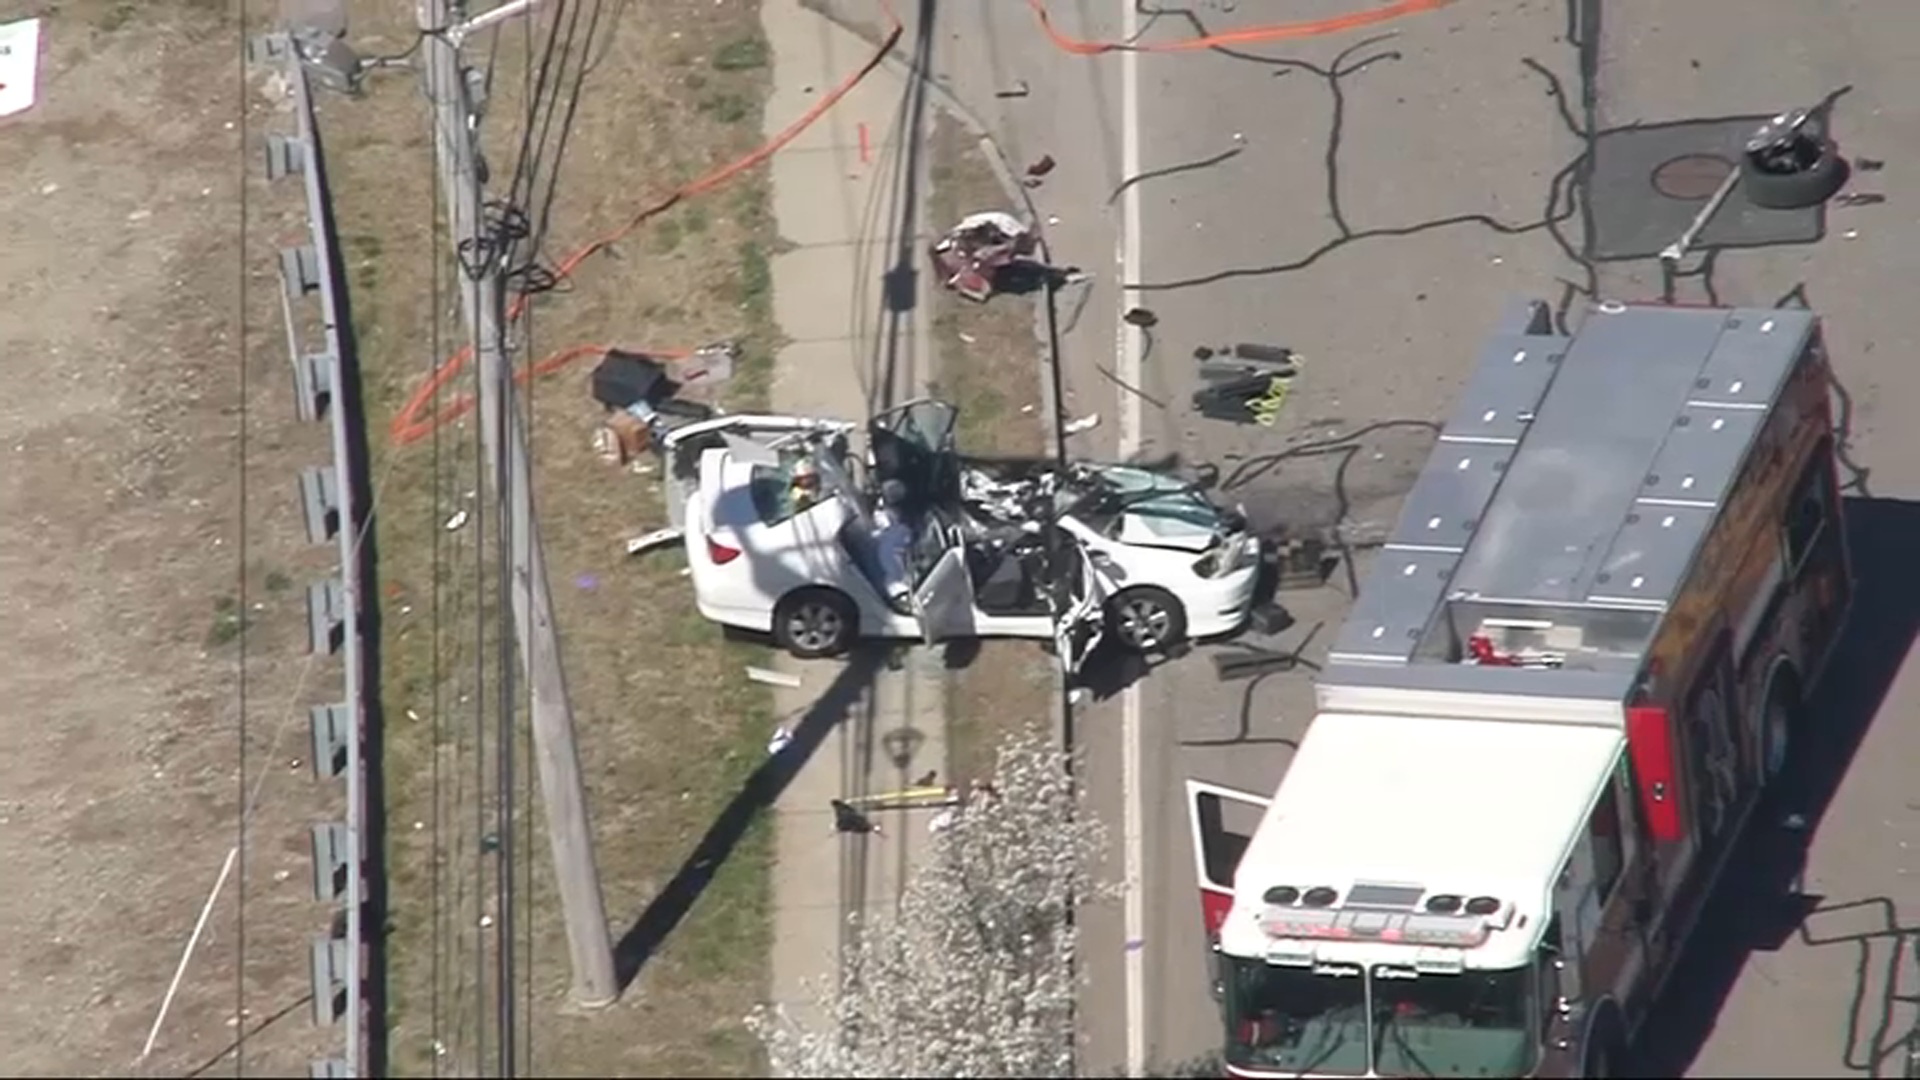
(1692, 176)
(1648, 181)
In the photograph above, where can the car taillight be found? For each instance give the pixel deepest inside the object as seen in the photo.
(720, 553)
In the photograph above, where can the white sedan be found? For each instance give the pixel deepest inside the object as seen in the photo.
(921, 542)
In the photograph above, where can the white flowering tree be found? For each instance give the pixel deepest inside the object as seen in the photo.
(972, 975)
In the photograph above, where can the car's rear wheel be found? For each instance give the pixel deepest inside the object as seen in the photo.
(814, 623)
(1778, 724)
(1146, 619)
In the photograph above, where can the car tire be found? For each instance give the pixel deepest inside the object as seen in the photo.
(1813, 183)
(1607, 1049)
(815, 623)
(1778, 725)
(1146, 619)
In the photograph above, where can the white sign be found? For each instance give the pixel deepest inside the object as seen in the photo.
(19, 65)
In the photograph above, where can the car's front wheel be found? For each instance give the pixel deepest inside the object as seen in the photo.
(815, 623)
(1146, 619)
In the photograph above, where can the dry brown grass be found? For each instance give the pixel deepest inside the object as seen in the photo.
(143, 564)
(668, 727)
(990, 367)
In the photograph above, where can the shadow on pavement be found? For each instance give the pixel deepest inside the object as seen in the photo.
(1759, 903)
(760, 791)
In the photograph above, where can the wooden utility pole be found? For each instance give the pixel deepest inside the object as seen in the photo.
(482, 288)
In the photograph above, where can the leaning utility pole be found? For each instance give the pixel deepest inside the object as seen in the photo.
(588, 937)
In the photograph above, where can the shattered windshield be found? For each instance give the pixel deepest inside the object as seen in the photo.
(1296, 1019)
(1474, 1023)
(1160, 506)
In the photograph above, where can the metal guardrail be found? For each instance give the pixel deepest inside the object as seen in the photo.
(333, 510)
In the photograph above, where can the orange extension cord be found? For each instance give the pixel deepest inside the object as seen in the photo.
(417, 419)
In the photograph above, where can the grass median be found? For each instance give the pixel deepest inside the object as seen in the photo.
(667, 724)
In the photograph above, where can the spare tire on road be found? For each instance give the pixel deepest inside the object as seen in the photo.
(1791, 173)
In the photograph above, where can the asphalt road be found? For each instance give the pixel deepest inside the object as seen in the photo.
(1374, 205)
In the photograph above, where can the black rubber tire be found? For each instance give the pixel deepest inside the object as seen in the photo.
(1779, 725)
(1811, 186)
(1606, 1054)
(1144, 602)
(832, 615)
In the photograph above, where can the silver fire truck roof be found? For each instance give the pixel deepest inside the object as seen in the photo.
(1571, 488)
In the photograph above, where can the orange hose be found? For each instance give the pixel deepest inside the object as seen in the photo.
(410, 426)
(1254, 35)
(415, 421)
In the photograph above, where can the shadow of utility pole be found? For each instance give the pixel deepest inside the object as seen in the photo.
(664, 914)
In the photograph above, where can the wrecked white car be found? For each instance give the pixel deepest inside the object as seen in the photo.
(788, 533)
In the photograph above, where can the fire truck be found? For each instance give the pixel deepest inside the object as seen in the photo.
(1570, 676)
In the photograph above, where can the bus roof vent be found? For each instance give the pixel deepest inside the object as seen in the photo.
(1373, 894)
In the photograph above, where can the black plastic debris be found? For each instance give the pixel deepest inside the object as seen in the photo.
(625, 378)
(1265, 354)
(1243, 398)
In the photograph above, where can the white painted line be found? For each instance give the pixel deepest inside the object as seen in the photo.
(1128, 363)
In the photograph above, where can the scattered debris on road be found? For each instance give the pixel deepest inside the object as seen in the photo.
(1084, 423)
(846, 819)
(1017, 90)
(773, 678)
(993, 252)
(1037, 171)
(782, 738)
(642, 400)
(658, 538)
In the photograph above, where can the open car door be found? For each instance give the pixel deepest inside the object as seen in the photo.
(1082, 622)
(914, 445)
(751, 437)
(943, 600)
(1223, 822)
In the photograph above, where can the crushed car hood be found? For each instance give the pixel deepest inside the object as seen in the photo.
(1146, 529)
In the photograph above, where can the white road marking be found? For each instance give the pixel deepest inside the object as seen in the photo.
(1128, 363)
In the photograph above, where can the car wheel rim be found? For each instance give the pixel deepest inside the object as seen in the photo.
(815, 627)
(1143, 623)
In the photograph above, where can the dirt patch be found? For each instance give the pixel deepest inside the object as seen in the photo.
(668, 727)
(990, 366)
(155, 555)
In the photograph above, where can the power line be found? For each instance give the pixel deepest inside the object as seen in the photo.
(589, 936)
(436, 869)
(242, 609)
